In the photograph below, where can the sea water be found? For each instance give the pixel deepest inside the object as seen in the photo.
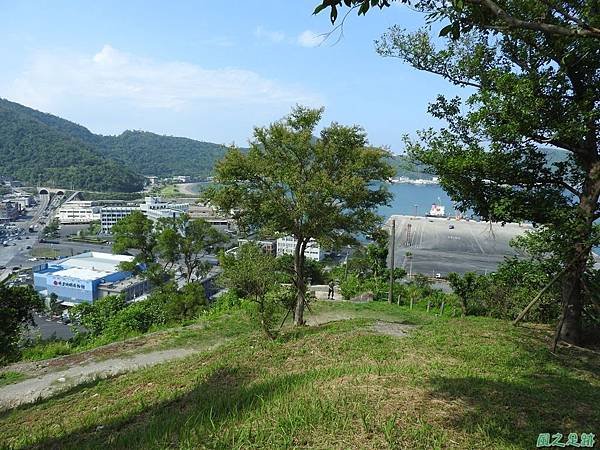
(407, 199)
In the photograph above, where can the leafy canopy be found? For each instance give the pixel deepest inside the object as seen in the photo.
(17, 305)
(291, 182)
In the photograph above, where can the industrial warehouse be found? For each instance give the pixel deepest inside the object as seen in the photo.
(87, 277)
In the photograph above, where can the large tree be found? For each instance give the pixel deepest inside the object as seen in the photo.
(17, 305)
(533, 68)
(188, 240)
(160, 246)
(292, 182)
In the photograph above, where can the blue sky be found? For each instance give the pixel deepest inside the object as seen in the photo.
(208, 70)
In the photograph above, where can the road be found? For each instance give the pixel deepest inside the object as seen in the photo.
(438, 248)
(17, 253)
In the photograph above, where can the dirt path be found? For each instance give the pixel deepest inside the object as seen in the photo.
(120, 349)
(49, 384)
(390, 328)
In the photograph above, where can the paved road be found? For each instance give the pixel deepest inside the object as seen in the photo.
(49, 328)
(436, 248)
(18, 254)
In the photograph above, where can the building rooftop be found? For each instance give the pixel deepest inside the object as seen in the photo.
(82, 274)
(91, 265)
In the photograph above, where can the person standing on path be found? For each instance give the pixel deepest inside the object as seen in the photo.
(330, 294)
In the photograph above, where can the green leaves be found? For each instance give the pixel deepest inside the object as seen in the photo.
(293, 183)
(453, 29)
(17, 305)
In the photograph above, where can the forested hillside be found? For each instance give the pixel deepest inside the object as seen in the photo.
(40, 148)
(36, 146)
(152, 154)
(406, 167)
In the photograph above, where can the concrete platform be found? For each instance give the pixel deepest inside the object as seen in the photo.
(449, 245)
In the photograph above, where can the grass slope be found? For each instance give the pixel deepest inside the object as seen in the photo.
(452, 383)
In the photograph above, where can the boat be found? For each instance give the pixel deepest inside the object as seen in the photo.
(437, 210)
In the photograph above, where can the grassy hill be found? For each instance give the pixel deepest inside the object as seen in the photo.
(450, 383)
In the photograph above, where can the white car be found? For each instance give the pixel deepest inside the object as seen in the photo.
(32, 259)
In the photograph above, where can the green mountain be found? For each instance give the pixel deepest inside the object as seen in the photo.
(36, 147)
(41, 148)
(407, 167)
(151, 154)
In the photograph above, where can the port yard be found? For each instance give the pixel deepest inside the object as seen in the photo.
(442, 245)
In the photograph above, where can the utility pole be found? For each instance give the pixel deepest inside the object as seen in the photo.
(346, 264)
(392, 247)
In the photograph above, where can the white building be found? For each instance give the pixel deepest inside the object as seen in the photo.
(79, 212)
(155, 208)
(287, 244)
(110, 215)
(87, 277)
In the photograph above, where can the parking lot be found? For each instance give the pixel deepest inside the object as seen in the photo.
(440, 246)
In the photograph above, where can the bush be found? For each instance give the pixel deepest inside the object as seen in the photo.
(354, 285)
(226, 302)
(17, 305)
(134, 319)
(187, 303)
(504, 294)
(351, 287)
(94, 317)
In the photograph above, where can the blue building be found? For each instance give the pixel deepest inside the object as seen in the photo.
(80, 278)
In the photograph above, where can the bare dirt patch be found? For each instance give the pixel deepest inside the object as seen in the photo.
(394, 329)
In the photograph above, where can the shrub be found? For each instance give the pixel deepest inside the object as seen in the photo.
(228, 301)
(94, 317)
(350, 287)
(16, 310)
(187, 303)
(134, 319)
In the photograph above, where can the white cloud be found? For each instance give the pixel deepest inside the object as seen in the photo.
(273, 36)
(309, 38)
(56, 77)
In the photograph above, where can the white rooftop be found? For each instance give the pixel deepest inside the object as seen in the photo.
(91, 265)
(81, 274)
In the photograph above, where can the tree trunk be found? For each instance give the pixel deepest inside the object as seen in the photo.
(299, 282)
(572, 297)
(463, 306)
(573, 290)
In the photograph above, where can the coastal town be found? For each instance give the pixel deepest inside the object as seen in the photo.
(324, 224)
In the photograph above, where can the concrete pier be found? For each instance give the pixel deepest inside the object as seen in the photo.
(440, 245)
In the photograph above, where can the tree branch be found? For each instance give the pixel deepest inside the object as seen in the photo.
(546, 28)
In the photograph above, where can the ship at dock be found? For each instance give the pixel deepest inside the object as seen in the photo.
(437, 210)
